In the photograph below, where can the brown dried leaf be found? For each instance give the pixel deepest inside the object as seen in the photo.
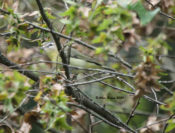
(15, 6)
(31, 117)
(21, 56)
(122, 130)
(73, 112)
(135, 19)
(8, 73)
(153, 3)
(130, 38)
(166, 4)
(78, 114)
(34, 13)
(152, 128)
(146, 78)
(25, 128)
(139, 93)
(84, 25)
(57, 88)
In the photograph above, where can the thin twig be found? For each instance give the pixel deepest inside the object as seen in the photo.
(76, 67)
(81, 43)
(167, 82)
(166, 125)
(162, 13)
(155, 96)
(157, 122)
(132, 112)
(91, 81)
(124, 81)
(89, 111)
(70, 91)
(68, 37)
(14, 110)
(4, 11)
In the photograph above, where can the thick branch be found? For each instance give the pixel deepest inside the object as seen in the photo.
(75, 93)
(5, 61)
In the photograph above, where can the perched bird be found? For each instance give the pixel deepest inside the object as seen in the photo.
(76, 57)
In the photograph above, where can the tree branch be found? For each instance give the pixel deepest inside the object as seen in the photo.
(5, 61)
(75, 93)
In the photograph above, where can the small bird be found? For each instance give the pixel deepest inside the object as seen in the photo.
(76, 57)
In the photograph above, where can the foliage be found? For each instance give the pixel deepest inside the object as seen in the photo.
(117, 53)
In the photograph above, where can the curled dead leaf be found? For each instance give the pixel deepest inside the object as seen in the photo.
(146, 78)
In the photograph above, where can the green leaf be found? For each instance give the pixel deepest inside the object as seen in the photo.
(99, 50)
(170, 127)
(100, 38)
(65, 21)
(61, 123)
(120, 35)
(36, 128)
(104, 25)
(163, 74)
(109, 11)
(144, 15)
(8, 106)
(18, 76)
(124, 3)
(10, 10)
(3, 96)
(97, 12)
(50, 16)
(63, 106)
(23, 26)
(70, 12)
